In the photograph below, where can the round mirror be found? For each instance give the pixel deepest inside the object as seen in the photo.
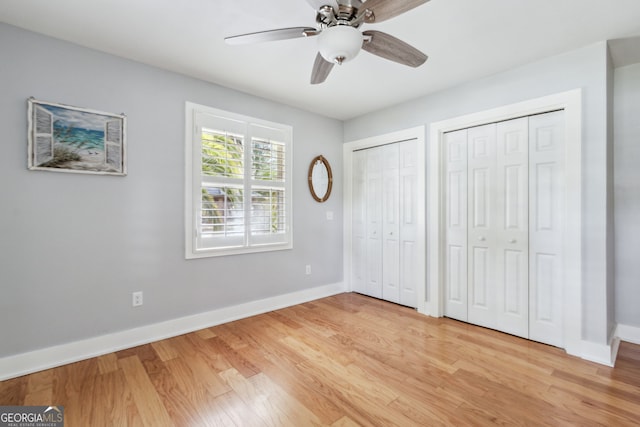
(320, 179)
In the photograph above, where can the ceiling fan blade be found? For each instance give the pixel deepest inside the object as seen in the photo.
(387, 9)
(321, 70)
(317, 4)
(393, 49)
(272, 35)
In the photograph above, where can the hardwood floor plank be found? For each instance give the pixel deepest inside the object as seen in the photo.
(166, 349)
(39, 390)
(152, 410)
(229, 410)
(257, 399)
(345, 360)
(234, 358)
(108, 363)
(205, 334)
(111, 401)
(13, 391)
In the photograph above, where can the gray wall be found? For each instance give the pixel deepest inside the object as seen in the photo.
(627, 193)
(73, 247)
(584, 68)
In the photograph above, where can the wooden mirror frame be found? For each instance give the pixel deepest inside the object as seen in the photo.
(320, 160)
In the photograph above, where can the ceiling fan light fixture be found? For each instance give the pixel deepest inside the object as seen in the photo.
(340, 43)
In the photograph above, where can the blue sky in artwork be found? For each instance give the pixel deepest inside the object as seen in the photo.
(77, 119)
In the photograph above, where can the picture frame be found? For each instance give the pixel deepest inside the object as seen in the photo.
(63, 138)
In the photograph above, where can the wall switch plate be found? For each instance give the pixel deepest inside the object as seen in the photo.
(307, 269)
(136, 299)
(329, 215)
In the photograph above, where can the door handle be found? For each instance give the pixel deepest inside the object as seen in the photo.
(481, 238)
(513, 241)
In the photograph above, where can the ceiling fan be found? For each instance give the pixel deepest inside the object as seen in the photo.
(339, 37)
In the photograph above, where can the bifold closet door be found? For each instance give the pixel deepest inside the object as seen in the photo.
(483, 220)
(409, 261)
(390, 223)
(546, 226)
(374, 224)
(399, 223)
(359, 222)
(512, 231)
(504, 190)
(455, 181)
(487, 226)
(384, 222)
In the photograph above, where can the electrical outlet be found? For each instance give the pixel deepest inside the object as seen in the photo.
(136, 299)
(307, 269)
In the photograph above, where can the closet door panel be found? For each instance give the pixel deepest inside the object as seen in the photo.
(455, 298)
(546, 227)
(512, 230)
(409, 263)
(374, 224)
(359, 222)
(390, 223)
(483, 217)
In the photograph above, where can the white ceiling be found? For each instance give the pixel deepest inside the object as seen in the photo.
(465, 40)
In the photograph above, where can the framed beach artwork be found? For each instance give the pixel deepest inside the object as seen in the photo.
(71, 139)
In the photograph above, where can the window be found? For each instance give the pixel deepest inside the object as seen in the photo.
(238, 183)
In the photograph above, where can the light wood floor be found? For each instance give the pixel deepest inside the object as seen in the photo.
(343, 361)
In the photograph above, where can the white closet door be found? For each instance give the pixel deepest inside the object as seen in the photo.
(390, 223)
(359, 222)
(455, 298)
(547, 193)
(374, 224)
(483, 218)
(409, 258)
(512, 227)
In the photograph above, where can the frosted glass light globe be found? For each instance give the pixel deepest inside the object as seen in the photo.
(340, 43)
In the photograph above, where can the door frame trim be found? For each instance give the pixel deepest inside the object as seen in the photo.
(571, 103)
(418, 133)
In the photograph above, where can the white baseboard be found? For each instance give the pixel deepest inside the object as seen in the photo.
(51, 357)
(628, 333)
(605, 354)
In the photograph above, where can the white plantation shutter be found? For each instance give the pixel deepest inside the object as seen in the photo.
(43, 135)
(113, 144)
(238, 186)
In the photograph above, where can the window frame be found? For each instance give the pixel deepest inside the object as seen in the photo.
(196, 116)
